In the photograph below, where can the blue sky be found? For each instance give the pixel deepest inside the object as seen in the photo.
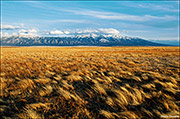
(149, 20)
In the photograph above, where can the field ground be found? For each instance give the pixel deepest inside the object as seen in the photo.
(89, 82)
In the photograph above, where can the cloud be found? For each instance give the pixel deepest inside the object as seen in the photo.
(23, 31)
(33, 30)
(68, 21)
(109, 31)
(166, 17)
(29, 32)
(14, 34)
(98, 31)
(86, 31)
(5, 34)
(115, 15)
(71, 32)
(83, 32)
(104, 40)
(56, 32)
(120, 16)
(90, 31)
(168, 8)
(9, 27)
(67, 32)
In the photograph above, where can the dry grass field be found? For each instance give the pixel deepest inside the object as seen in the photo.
(89, 82)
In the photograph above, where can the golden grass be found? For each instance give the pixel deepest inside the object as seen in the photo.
(89, 82)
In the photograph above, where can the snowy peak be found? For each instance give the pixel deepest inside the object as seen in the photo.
(115, 36)
(104, 40)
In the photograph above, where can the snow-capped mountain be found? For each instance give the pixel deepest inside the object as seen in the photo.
(78, 40)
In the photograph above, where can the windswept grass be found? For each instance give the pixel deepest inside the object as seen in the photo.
(89, 82)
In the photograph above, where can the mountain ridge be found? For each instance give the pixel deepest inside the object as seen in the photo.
(78, 40)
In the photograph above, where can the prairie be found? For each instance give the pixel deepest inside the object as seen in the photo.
(89, 82)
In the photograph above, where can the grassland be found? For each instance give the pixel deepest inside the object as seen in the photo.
(89, 82)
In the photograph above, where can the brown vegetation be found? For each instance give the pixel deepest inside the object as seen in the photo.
(89, 82)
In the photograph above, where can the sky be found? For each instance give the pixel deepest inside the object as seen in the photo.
(152, 20)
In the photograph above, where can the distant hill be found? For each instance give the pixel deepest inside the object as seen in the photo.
(168, 42)
(78, 40)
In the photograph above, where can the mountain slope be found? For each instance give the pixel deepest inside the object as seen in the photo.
(78, 40)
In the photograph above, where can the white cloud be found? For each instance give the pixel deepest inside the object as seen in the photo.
(33, 31)
(14, 34)
(121, 16)
(23, 31)
(87, 31)
(56, 32)
(104, 40)
(109, 31)
(9, 27)
(29, 32)
(68, 20)
(104, 31)
(166, 17)
(115, 15)
(154, 6)
(63, 21)
(22, 24)
(168, 8)
(135, 31)
(66, 32)
(90, 31)
(5, 34)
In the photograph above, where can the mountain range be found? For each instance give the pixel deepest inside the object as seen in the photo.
(78, 40)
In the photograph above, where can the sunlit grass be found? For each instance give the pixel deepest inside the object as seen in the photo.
(89, 82)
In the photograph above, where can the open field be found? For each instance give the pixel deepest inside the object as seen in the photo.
(89, 82)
